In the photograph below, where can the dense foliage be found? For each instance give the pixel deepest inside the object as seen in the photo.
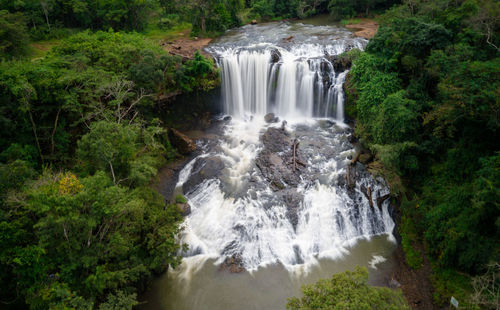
(347, 290)
(80, 227)
(426, 96)
(108, 76)
(53, 18)
(76, 243)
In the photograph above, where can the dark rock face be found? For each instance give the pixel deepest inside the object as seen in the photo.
(203, 169)
(233, 264)
(275, 160)
(181, 142)
(292, 201)
(339, 63)
(185, 208)
(275, 56)
(270, 118)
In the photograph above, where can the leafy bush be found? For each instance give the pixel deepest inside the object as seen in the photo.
(347, 290)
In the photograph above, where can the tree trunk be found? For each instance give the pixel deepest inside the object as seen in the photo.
(54, 132)
(45, 12)
(203, 23)
(36, 135)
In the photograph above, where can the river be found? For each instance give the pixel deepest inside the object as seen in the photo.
(269, 199)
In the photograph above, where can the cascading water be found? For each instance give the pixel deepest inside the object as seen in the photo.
(291, 83)
(237, 210)
(288, 217)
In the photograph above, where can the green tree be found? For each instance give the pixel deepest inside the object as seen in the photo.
(13, 35)
(347, 290)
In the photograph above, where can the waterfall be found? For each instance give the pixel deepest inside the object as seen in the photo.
(295, 86)
(236, 210)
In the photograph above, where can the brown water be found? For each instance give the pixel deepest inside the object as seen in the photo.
(268, 288)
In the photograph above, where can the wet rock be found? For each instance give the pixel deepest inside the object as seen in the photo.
(292, 200)
(271, 118)
(352, 139)
(283, 125)
(185, 208)
(276, 140)
(233, 264)
(275, 56)
(339, 63)
(181, 142)
(394, 284)
(254, 22)
(227, 118)
(203, 169)
(275, 160)
(206, 120)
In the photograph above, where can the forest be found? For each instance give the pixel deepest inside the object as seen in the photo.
(81, 226)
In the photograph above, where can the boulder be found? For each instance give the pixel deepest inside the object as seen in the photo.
(276, 140)
(292, 201)
(181, 142)
(270, 118)
(203, 169)
(254, 22)
(339, 63)
(185, 208)
(233, 264)
(394, 284)
(275, 56)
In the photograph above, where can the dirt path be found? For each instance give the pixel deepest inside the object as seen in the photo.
(186, 47)
(367, 28)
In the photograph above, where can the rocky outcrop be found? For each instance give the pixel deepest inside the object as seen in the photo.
(271, 118)
(275, 56)
(275, 163)
(181, 142)
(203, 169)
(292, 201)
(340, 63)
(233, 264)
(185, 208)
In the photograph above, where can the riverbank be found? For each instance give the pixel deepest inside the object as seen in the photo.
(363, 28)
(185, 47)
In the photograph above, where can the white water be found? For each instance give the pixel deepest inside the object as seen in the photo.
(298, 85)
(236, 211)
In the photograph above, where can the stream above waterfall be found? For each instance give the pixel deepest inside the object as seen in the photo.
(270, 200)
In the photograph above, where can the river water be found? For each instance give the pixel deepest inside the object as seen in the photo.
(255, 211)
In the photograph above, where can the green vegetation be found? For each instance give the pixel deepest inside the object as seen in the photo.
(13, 35)
(426, 95)
(80, 225)
(180, 199)
(347, 290)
